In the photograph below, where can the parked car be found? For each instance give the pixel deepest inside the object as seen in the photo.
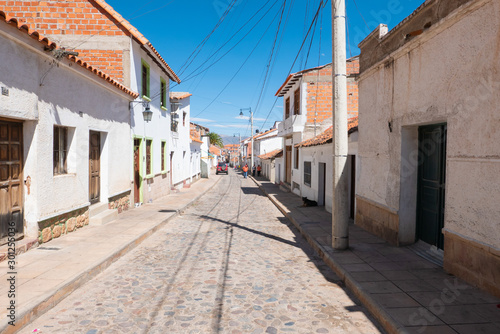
(222, 168)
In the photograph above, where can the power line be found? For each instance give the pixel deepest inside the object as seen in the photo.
(239, 69)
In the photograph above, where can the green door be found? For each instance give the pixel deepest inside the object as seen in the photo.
(431, 184)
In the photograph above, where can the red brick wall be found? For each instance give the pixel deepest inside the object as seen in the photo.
(319, 94)
(72, 17)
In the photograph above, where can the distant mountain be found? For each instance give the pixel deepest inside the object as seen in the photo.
(230, 140)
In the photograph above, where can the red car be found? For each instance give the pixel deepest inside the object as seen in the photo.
(222, 168)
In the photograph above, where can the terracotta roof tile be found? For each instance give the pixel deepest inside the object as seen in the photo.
(326, 136)
(264, 133)
(52, 46)
(196, 140)
(270, 155)
(136, 34)
(179, 95)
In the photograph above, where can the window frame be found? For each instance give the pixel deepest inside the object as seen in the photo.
(287, 107)
(163, 156)
(150, 158)
(145, 65)
(163, 93)
(296, 102)
(57, 169)
(307, 175)
(296, 156)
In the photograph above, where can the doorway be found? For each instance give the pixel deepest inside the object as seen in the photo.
(137, 170)
(321, 183)
(288, 165)
(11, 180)
(94, 167)
(431, 184)
(352, 187)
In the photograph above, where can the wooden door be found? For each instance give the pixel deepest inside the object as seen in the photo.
(431, 184)
(288, 165)
(95, 167)
(137, 170)
(11, 180)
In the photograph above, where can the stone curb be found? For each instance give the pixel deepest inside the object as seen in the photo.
(377, 310)
(51, 299)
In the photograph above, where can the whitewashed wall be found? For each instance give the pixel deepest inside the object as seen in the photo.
(68, 96)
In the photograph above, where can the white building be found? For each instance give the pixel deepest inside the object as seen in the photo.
(123, 52)
(268, 162)
(64, 137)
(181, 160)
(200, 145)
(266, 142)
(429, 135)
(316, 178)
(307, 112)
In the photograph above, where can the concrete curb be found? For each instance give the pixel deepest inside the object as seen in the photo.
(377, 311)
(51, 299)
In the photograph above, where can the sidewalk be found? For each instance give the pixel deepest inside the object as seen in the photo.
(47, 274)
(404, 292)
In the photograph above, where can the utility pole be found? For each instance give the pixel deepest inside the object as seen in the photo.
(340, 208)
(251, 129)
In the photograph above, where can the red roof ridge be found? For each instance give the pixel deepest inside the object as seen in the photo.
(135, 33)
(327, 135)
(52, 46)
(195, 139)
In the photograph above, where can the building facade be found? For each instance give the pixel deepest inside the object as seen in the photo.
(64, 136)
(428, 143)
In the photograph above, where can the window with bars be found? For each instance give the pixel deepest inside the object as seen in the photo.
(287, 107)
(149, 157)
(163, 148)
(296, 102)
(60, 150)
(145, 79)
(307, 173)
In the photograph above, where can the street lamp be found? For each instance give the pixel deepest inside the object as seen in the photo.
(239, 147)
(251, 126)
(147, 113)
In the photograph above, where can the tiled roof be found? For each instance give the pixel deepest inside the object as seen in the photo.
(52, 46)
(294, 77)
(326, 136)
(136, 34)
(196, 140)
(214, 150)
(179, 95)
(264, 133)
(271, 154)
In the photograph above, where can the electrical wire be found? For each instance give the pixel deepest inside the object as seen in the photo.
(239, 69)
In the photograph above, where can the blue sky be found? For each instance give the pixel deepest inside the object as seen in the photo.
(239, 50)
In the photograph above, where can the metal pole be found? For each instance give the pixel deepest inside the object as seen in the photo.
(340, 207)
(251, 123)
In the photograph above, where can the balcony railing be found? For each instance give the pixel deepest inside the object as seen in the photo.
(294, 123)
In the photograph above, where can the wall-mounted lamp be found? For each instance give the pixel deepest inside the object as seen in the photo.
(147, 113)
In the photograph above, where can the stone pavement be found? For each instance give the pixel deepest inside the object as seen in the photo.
(404, 292)
(47, 274)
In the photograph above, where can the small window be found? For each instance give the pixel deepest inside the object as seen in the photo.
(296, 162)
(307, 173)
(60, 150)
(174, 125)
(296, 102)
(149, 157)
(287, 108)
(163, 92)
(145, 79)
(163, 155)
(184, 119)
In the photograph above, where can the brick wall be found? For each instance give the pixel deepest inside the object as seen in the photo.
(73, 17)
(319, 102)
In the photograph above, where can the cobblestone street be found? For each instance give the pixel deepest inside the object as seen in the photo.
(230, 264)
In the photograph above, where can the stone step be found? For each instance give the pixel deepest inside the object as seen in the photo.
(103, 217)
(97, 208)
